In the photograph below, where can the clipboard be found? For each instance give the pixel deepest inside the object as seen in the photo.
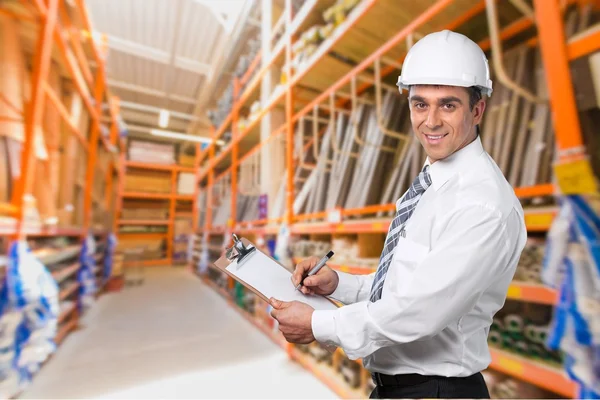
(264, 276)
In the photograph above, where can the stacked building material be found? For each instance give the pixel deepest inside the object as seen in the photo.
(147, 181)
(223, 107)
(150, 152)
(182, 231)
(519, 335)
(186, 183)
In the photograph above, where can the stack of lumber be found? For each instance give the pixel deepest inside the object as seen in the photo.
(147, 181)
(143, 210)
(59, 165)
(352, 164)
(186, 183)
(150, 152)
(516, 132)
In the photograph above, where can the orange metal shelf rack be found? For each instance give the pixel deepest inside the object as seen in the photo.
(556, 54)
(172, 197)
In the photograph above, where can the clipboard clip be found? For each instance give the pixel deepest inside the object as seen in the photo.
(238, 251)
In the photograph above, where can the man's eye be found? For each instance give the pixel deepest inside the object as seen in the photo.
(449, 106)
(420, 106)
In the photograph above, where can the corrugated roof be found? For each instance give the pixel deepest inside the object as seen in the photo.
(142, 37)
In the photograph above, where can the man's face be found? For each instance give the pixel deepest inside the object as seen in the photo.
(442, 119)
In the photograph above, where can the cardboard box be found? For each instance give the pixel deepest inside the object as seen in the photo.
(186, 160)
(147, 181)
(186, 183)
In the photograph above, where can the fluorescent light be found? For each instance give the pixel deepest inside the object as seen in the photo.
(183, 136)
(163, 118)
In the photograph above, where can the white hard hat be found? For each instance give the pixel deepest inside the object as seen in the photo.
(446, 58)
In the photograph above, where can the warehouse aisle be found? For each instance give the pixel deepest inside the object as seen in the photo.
(171, 337)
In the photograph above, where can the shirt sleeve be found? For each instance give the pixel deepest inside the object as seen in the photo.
(352, 288)
(471, 252)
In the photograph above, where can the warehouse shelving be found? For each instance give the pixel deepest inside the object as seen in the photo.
(547, 377)
(57, 36)
(556, 53)
(172, 197)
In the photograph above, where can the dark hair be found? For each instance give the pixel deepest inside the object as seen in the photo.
(474, 96)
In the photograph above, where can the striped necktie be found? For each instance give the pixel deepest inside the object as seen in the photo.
(407, 207)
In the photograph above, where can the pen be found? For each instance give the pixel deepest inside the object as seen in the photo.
(316, 268)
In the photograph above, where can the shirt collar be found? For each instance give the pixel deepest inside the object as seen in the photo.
(441, 171)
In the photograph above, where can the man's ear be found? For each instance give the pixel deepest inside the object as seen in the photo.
(478, 111)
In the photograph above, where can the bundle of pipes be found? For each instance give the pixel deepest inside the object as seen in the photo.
(501, 386)
(529, 268)
(517, 127)
(354, 156)
(221, 201)
(249, 189)
(201, 208)
(308, 248)
(223, 107)
(517, 334)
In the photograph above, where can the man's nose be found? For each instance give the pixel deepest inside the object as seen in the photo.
(433, 118)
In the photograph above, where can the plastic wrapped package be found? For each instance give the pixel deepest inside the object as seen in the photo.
(572, 264)
(28, 320)
(87, 274)
(204, 261)
(109, 256)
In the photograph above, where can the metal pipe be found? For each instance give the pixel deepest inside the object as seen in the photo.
(333, 136)
(497, 57)
(357, 138)
(378, 85)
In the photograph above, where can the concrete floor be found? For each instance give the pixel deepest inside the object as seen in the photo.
(171, 337)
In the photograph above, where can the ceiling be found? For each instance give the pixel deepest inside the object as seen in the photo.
(166, 54)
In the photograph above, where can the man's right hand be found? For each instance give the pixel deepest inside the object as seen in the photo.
(323, 282)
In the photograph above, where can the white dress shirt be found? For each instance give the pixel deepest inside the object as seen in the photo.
(447, 279)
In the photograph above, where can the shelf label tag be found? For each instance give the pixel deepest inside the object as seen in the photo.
(515, 367)
(575, 177)
(514, 292)
(539, 219)
(378, 226)
(334, 216)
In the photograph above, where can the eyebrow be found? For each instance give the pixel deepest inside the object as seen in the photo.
(443, 100)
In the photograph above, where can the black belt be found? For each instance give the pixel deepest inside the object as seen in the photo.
(400, 380)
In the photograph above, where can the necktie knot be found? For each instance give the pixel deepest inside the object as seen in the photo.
(422, 181)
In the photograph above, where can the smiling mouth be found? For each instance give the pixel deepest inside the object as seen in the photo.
(434, 138)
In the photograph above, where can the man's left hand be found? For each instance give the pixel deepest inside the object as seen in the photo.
(295, 320)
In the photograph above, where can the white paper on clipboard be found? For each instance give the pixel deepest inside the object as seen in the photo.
(269, 278)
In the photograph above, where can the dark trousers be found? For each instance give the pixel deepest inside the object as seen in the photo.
(471, 387)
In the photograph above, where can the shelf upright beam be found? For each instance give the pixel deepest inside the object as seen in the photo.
(114, 128)
(209, 186)
(34, 111)
(289, 114)
(195, 205)
(172, 207)
(560, 85)
(234, 151)
(120, 186)
(93, 146)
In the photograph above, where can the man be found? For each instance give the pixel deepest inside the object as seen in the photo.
(421, 321)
